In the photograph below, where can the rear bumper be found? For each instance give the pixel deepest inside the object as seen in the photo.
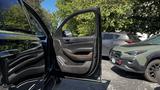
(129, 65)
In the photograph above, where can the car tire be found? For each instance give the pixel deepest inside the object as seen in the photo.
(150, 70)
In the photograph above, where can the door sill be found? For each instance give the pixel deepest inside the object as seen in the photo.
(77, 84)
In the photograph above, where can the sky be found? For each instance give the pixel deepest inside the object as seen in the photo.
(49, 5)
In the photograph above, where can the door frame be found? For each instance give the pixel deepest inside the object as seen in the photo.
(51, 64)
(96, 64)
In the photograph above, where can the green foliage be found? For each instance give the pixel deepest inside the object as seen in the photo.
(146, 16)
(114, 13)
(124, 15)
(81, 25)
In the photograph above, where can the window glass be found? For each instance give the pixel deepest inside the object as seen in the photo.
(44, 9)
(78, 27)
(133, 37)
(108, 36)
(36, 27)
(12, 17)
(116, 36)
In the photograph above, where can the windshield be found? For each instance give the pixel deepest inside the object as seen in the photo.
(152, 40)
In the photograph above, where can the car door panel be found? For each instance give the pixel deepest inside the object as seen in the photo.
(78, 49)
(77, 40)
(80, 54)
(85, 45)
(16, 59)
(22, 75)
(74, 68)
(25, 63)
(68, 59)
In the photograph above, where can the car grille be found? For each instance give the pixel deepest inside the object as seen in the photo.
(116, 54)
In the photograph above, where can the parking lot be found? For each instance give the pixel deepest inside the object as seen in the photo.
(121, 80)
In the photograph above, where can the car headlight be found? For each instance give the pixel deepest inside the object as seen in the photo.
(135, 52)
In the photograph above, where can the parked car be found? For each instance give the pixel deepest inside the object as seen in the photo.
(142, 57)
(31, 58)
(111, 39)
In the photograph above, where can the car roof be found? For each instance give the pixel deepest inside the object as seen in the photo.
(117, 33)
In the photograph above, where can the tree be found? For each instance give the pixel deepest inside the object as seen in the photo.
(114, 12)
(146, 16)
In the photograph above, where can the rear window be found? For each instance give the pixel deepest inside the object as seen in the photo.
(133, 37)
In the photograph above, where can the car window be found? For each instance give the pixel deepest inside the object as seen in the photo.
(36, 27)
(14, 27)
(108, 36)
(116, 36)
(12, 17)
(40, 6)
(82, 28)
(133, 37)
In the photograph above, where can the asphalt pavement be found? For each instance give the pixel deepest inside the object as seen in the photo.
(122, 80)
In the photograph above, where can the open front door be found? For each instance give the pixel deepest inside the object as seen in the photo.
(77, 43)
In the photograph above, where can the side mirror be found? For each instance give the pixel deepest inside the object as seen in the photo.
(67, 33)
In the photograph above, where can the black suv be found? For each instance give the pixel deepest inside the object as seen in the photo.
(33, 58)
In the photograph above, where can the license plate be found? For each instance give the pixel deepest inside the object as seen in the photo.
(113, 60)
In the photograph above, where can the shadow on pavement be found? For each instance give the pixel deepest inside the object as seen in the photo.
(157, 88)
(126, 74)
